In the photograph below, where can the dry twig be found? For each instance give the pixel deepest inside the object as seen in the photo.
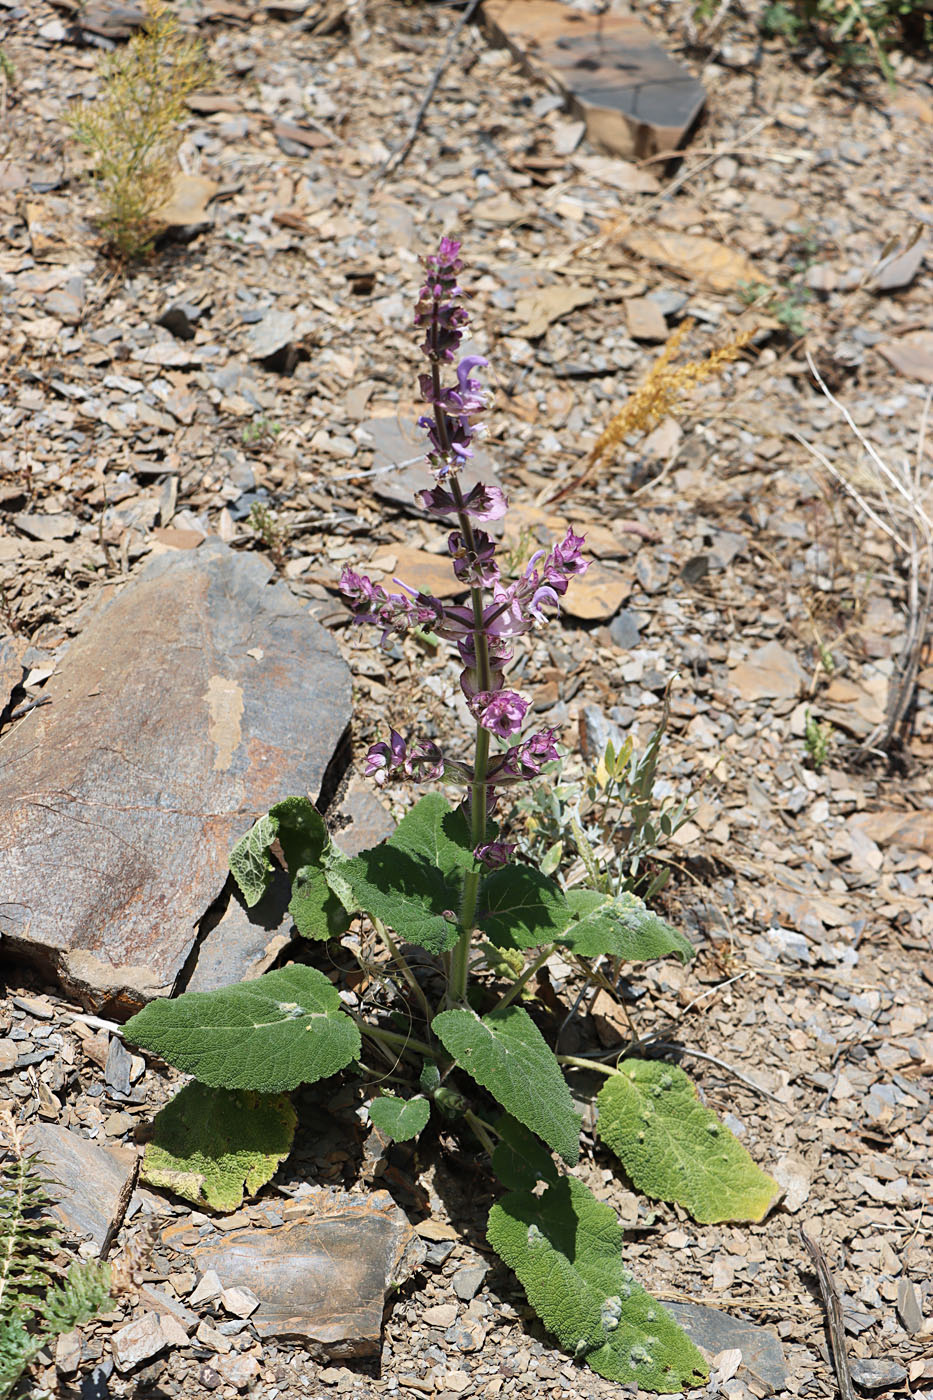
(896, 502)
(833, 1306)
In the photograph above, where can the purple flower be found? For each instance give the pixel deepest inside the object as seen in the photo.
(477, 566)
(481, 503)
(525, 760)
(501, 712)
(384, 759)
(494, 854)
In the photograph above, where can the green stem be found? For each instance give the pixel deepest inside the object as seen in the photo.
(460, 960)
(403, 967)
(398, 1041)
(482, 1130)
(586, 1064)
(526, 976)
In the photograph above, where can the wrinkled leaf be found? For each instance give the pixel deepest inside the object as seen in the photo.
(519, 1160)
(566, 1249)
(413, 882)
(521, 907)
(507, 1054)
(674, 1149)
(302, 834)
(284, 1029)
(620, 926)
(213, 1145)
(399, 1119)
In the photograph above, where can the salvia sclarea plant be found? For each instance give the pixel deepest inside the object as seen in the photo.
(447, 882)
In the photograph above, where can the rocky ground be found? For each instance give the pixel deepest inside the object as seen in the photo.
(267, 358)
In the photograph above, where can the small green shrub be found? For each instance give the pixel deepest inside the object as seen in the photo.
(855, 33)
(611, 822)
(270, 532)
(132, 130)
(817, 738)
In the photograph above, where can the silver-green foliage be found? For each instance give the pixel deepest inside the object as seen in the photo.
(507, 1054)
(213, 1145)
(290, 1027)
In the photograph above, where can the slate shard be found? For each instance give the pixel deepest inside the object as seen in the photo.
(716, 1331)
(86, 1182)
(322, 1275)
(196, 697)
(635, 99)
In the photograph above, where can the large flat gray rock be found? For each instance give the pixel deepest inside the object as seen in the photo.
(196, 696)
(322, 1275)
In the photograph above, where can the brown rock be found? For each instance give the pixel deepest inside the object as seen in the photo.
(240, 1371)
(322, 1276)
(913, 830)
(702, 259)
(645, 320)
(159, 697)
(635, 99)
(137, 1341)
(771, 673)
(597, 595)
(911, 355)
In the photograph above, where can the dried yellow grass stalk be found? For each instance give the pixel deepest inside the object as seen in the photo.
(664, 389)
(132, 131)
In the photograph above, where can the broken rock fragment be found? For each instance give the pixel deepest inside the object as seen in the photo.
(322, 1275)
(196, 697)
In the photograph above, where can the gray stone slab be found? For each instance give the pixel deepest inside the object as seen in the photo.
(11, 668)
(716, 1331)
(85, 1181)
(196, 696)
(245, 942)
(635, 99)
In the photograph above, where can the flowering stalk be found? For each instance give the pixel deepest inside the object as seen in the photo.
(497, 612)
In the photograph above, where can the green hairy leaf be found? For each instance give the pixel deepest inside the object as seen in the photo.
(674, 1149)
(566, 1249)
(620, 926)
(399, 1119)
(300, 830)
(521, 908)
(284, 1029)
(213, 1145)
(519, 1160)
(507, 1054)
(413, 882)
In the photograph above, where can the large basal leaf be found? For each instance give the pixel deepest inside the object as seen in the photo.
(413, 882)
(286, 1028)
(674, 1149)
(508, 1055)
(521, 908)
(519, 1160)
(399, 1119)
(213, 1145)
(620, 926)
(302, 834)
(566, 1249)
